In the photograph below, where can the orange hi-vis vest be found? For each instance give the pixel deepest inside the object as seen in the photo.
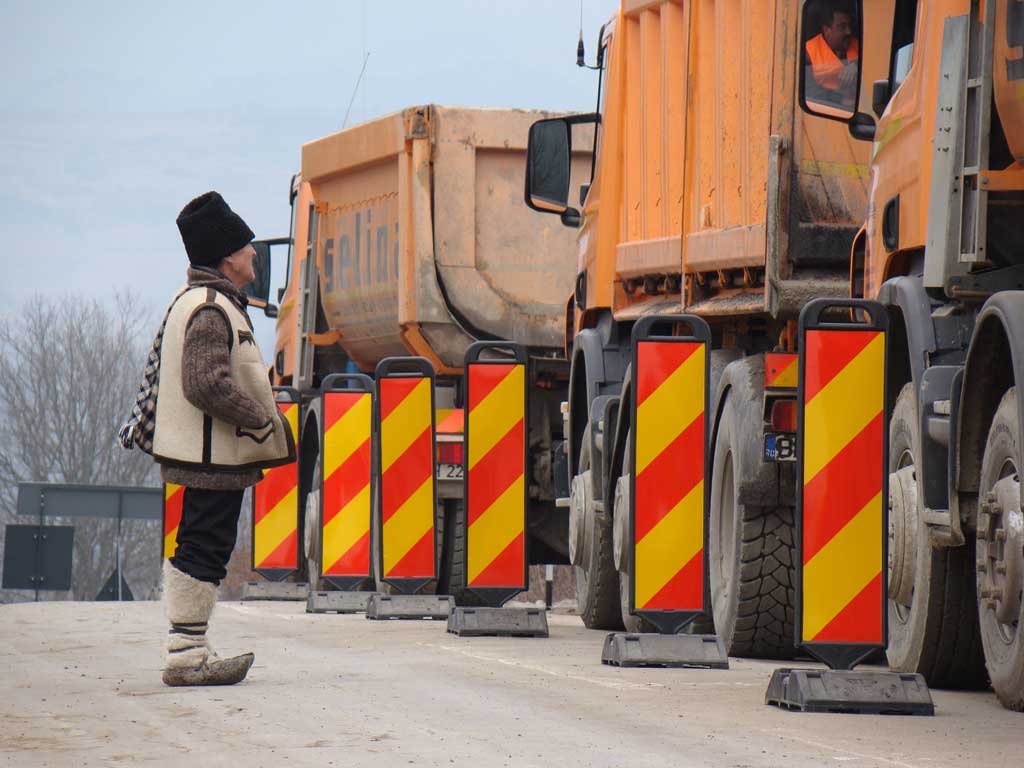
(827, 66)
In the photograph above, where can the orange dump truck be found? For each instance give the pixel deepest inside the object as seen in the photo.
(743, 166)
(712, 194)
(408, 238)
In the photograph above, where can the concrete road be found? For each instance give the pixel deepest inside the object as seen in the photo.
(79, 685)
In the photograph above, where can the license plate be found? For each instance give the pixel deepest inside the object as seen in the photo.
(781, 447)
(449, 471)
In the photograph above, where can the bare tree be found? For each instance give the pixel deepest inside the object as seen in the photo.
(69, 370)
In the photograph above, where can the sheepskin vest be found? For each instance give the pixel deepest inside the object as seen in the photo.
(186, 436)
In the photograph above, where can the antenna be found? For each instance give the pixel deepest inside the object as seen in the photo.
(580, 50)
(355, 90)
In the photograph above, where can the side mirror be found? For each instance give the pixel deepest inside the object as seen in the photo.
(880, 95)
(830, 59)
(549, 166)
(258, 290)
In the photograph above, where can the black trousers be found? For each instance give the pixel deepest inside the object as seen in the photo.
(207, 532)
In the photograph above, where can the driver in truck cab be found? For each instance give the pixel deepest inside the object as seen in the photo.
(833, 56)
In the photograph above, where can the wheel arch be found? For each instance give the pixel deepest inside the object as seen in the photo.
(995, 362)
(911, 332)
(599, 361)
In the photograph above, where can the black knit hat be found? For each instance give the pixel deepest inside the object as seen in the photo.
(211, 230)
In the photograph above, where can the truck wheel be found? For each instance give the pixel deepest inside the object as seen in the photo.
(590, 542)
(621, 544)
(453, 554)
(1000, 557)
(311, 532)
(932, 625)
(751, 549)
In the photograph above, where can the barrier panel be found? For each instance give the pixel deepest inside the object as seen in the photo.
(669, 499)
(842, 494)
(275, 505)
(174, 497)
(407, 492)
(495, 472)
(346, 487)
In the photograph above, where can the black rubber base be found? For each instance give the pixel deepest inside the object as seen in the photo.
(498, 622)
(337, 602)
(622, 649)
(275, 590)
(381, 607)
(864, 692)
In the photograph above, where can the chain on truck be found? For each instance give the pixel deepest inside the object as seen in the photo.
(408, 238)
(733, 178)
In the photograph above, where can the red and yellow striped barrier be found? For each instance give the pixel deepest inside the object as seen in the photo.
(174, 496)
(275, 535)
(843, 497)
(407, 492)
(345, 511)
(668, 489)
(495, 478)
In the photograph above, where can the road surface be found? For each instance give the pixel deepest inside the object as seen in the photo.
(81, 686)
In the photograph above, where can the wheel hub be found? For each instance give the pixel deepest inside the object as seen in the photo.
(903, 532)
(620, 525)
(579, 502)
(1001, 568)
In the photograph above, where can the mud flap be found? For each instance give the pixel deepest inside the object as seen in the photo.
(842, 503)
(275, 506)
(345, 480)
(669, 498)
(495, 492)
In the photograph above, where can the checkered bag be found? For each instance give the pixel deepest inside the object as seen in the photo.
(139, 429)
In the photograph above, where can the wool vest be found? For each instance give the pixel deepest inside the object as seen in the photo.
(184, 435)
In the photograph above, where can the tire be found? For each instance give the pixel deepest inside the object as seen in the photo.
(311, 532)
(1000, 557)
(453, 554)
(936, 633)
(751, 549)
(622, 547)
(597, 581)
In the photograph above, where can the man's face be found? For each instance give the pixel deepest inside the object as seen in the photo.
(238, 266)
(840, 32)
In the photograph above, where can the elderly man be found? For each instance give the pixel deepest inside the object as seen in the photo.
(833, 56)
(212, 428)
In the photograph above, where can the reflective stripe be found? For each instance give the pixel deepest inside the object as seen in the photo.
(496, 485)
(668, 476)
(842, 515)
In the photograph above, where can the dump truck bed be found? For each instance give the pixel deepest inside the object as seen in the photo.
(732, 202)
(422, 242)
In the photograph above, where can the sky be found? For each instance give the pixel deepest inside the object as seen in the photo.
(114, 115)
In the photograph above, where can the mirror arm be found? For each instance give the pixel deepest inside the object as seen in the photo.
(571, 218)
(862, 127)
